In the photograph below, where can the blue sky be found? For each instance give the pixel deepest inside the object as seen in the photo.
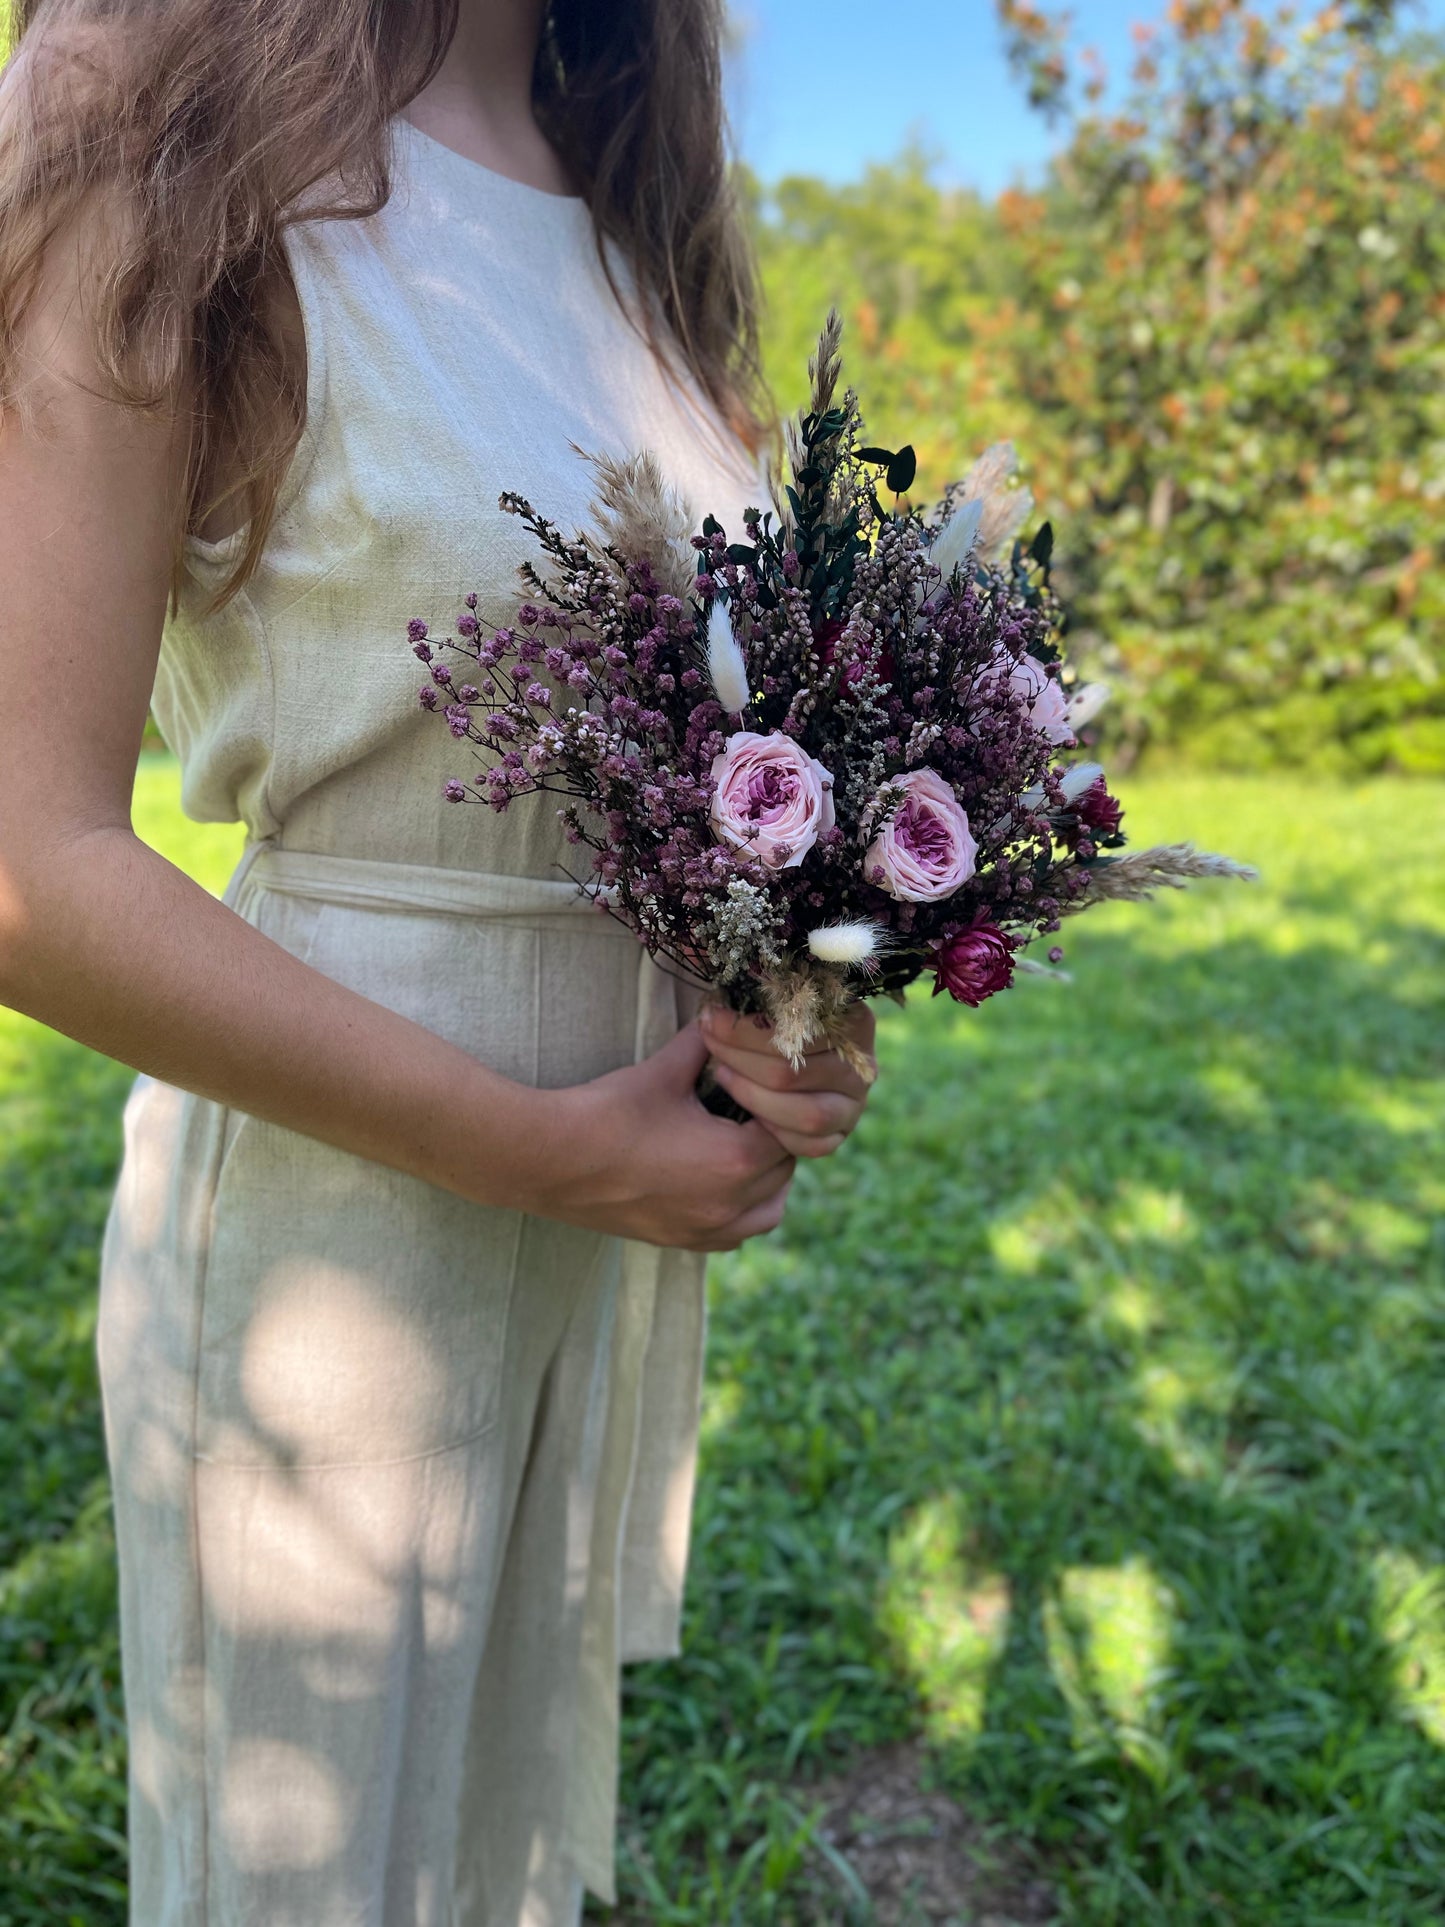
(824, 86)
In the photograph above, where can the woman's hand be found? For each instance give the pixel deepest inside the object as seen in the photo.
(640, 1157)
(809, 1111)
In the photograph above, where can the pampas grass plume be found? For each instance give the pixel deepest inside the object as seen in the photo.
(950, 548)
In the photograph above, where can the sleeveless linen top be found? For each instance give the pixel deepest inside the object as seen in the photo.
(459, 343)
(462, 341)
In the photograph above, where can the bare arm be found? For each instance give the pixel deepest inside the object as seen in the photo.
(104, 940)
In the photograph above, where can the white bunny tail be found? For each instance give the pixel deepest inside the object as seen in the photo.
(725, 664)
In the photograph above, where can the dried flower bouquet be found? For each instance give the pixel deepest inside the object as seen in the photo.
(814, 763)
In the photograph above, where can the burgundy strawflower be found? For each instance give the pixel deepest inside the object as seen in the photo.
(973, 964)
(1097, 810)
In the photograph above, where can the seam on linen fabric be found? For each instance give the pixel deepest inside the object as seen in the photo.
(263, 643)
(318, 372)
(350, 1465)
(536, 1008)
(198, 1569)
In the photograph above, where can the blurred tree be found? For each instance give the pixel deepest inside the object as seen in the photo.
(1218, 336)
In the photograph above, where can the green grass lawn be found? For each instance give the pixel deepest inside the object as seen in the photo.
(1086, 1419)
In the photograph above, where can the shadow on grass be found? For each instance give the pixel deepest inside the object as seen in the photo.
(1086, 1416)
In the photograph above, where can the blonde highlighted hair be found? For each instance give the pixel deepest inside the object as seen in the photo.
(205, 122)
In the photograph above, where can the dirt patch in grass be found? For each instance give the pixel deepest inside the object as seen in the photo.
(921, 1857)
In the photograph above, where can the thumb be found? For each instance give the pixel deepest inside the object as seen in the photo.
(681, 1057)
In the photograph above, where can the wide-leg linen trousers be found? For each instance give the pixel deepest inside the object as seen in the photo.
(372, 1448)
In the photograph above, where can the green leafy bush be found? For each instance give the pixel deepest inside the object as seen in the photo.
(1217, 336)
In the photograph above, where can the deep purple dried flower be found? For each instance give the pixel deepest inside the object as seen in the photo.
(440, 673)
(466, 625)
(427, 696)
(1097, 810)
(454, 791)
(416, 629)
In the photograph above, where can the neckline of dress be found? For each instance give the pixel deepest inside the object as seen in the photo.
(479, 174)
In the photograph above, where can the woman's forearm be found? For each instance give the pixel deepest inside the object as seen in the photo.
(111, 944)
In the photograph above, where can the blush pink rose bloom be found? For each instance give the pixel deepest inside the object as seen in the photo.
(770, 798)
(1042, 696)
(925, 850)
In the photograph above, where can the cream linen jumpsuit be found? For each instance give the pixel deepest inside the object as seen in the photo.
(399, 1480)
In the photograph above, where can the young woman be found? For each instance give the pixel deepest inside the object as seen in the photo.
(401, 1316)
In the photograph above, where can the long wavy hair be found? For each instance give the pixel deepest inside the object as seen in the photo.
(204, 122)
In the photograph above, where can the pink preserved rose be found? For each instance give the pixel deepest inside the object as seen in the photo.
(1041, 695)
(770, 798)
(925, 850)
